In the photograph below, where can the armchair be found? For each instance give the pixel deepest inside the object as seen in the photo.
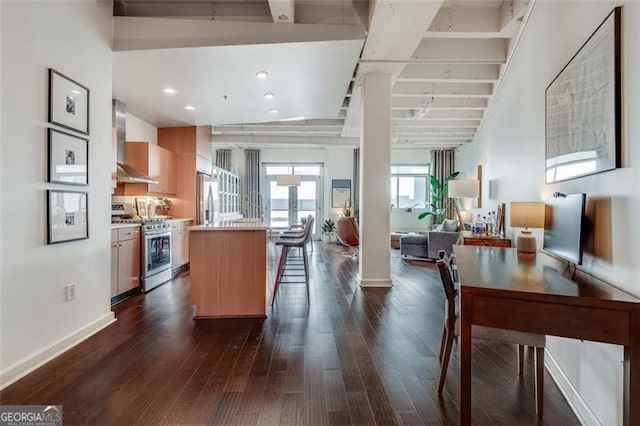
(348, 233)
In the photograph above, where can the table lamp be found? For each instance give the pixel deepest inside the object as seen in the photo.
(527, 215)
(469, 188)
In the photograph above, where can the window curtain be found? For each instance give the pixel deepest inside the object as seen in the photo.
(223, 159)
(356, 183)
(442, 165)
(254, 204)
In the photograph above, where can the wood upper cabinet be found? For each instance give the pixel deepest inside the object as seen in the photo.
(204, 149)
(193, 149)
(157, 162)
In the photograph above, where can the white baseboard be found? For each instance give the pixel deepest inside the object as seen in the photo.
(571, 394)
(376, 282)
(37, 359)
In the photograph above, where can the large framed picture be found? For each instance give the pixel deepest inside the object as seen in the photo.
(68, 103)
(67, 216)
(583, 108)
(340, 192)
(68, 158)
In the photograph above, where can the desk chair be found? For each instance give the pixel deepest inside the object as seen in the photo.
(452, 328)
(348, 233)
(287, 244)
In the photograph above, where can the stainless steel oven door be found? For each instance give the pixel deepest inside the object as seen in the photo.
(157, 253)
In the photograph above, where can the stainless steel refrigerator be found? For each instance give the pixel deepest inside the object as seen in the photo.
(205, 199)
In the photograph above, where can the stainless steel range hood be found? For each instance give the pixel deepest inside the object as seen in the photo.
(126, 172)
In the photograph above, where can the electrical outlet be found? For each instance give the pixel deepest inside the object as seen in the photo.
(70, 292)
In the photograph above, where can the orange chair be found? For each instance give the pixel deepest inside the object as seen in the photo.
(348, 233)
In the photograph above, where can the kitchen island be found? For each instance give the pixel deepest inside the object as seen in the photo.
(229, 269)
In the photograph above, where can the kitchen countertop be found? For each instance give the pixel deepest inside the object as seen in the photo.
(125, 225)
(177, 219)
(232, 226)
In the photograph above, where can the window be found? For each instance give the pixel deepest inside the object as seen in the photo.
(409, 186)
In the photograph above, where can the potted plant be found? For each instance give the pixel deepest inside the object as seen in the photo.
(439, 206)
(346, 209)
(328, 230)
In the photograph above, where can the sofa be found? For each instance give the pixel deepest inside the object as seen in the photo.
(429, 244)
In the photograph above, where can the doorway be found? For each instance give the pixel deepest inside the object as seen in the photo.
(286, 205)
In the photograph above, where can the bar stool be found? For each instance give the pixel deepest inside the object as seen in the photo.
(287, 244)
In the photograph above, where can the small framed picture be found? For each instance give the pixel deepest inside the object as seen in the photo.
(141, 204)
(68, 158)
(67, 216)
(340, 192)
(68, 103)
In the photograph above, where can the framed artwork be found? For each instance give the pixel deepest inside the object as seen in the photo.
(67, 216)
(68, 158)
(340, 192)
(141, 205)
(68, 103)
(583, 108)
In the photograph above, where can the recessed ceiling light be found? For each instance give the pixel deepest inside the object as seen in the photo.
(190, 107)
(169, 90)
(274, 110)
(269, 95)
(262, 75)
(75, 92)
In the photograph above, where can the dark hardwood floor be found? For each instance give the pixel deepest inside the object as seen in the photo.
(353, 356)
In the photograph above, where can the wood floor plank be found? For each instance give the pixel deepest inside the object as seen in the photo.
(351, 356)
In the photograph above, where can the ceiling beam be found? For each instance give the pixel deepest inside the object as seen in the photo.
(413, 89)
(452, 50)
(400, 102)
(162, 33)
(328, 122)
(465, 21)
(287, 140)
(282, 11)
(442, 114)
(395, 30)
(434, 123)
(433, 130)
(512, 13)
(480, 73)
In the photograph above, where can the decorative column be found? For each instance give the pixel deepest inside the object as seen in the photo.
(375, 173)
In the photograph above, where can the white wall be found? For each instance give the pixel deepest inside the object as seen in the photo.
(510, 146)
(73, 37)
(338, 164)
(140, 131)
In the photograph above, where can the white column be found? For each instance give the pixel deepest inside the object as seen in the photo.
(375, 171)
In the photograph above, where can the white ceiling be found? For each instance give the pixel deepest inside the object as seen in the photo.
(446, 59)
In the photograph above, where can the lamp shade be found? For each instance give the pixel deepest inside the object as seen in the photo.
(288, 180)
(527, 214)
(464, 188)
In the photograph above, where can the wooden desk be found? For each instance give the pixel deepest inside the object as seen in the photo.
(468, 239)
(503, 289)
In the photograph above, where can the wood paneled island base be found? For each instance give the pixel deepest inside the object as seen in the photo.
(228, 271)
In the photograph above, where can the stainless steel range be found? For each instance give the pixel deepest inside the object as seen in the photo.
(156, 245)
(156, 252)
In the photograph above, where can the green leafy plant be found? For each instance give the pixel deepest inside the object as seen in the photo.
(328, 227)
(439, 207)
(346, 209)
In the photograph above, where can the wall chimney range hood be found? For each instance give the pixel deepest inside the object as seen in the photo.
(126, 172)
(129, 174)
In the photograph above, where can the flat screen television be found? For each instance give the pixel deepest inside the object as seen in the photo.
(564, 226)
